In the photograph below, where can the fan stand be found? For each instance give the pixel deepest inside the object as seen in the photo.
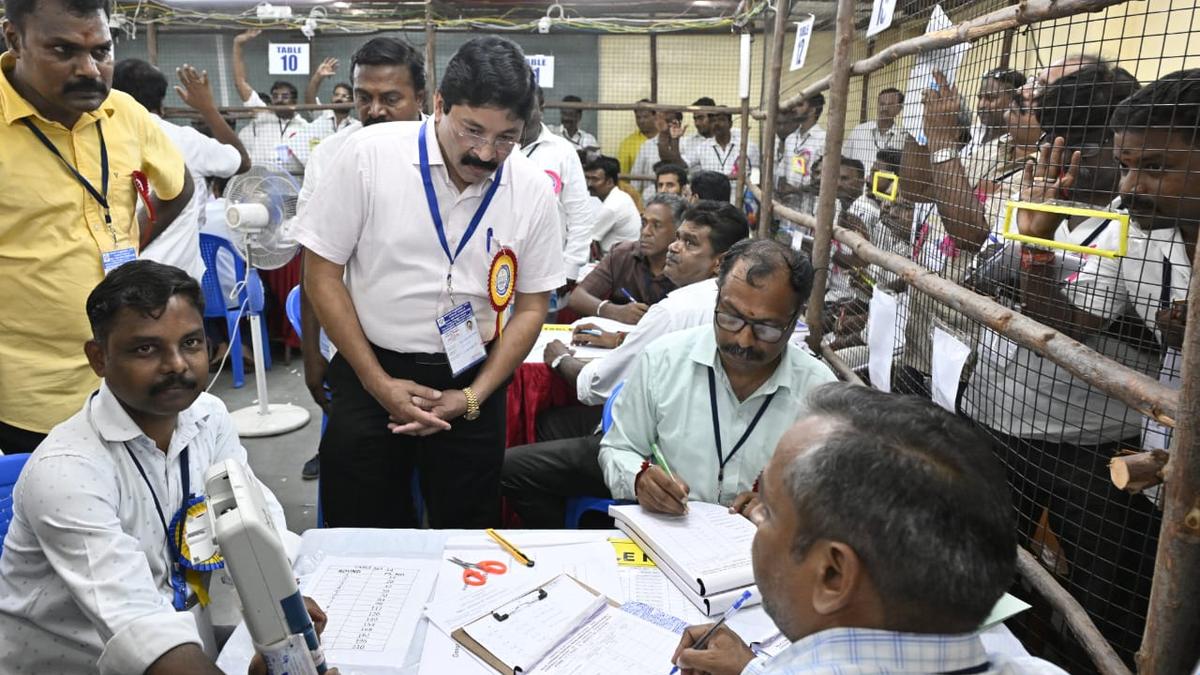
(266, 418)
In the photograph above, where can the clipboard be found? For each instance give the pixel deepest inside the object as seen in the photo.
(472, 645)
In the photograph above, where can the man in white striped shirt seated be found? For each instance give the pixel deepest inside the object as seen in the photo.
(885, 537)
(94, 578)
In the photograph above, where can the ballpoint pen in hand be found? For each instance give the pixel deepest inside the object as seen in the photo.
(703, 641)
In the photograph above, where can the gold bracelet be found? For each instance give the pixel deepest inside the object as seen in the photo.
(472, 413)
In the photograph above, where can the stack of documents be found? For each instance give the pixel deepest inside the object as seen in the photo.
(564, 627)
(705, 553)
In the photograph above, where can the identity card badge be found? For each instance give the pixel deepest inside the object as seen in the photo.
(111, 260)
(460, 337)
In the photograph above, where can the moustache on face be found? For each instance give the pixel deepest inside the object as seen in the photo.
(744, 353)
(471, 160)
(86, 86)
(1136, 203)
(373, 120)
(172, 382)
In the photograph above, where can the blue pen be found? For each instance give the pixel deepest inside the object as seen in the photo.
(703, 641)
(629, 295)
(489, 240)
(591, 331)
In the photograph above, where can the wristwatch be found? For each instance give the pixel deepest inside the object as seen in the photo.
(943, 155)
(558, 359)
(472, 413)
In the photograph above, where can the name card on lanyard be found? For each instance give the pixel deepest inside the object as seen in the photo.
(457, 327)
(117, 255)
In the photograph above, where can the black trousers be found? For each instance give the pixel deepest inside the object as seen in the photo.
(1109, 537)
(538, 478)
(366, 470)
(15, 440)
(558, 424)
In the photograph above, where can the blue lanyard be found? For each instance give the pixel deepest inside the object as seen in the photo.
(436, 214)
(722, 458)
(178, 584)
(100, 196)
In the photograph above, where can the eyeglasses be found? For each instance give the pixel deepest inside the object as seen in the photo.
(503, 145)
(763, 332)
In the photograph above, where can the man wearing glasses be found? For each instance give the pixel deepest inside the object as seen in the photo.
(420, 240)
(742, 372)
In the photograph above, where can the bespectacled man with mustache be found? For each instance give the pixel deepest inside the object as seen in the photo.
(71, 151)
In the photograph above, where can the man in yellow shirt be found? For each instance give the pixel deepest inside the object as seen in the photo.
(628, 150)
(71, 151)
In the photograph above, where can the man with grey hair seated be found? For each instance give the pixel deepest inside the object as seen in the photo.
(885, 536)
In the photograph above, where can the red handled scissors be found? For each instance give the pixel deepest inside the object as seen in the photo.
(476, 574)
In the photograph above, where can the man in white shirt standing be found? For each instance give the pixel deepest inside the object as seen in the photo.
(419, 241)
(558, 156)
(664, 146)
(219, 156)
(279, 139)
(329, 122)
(868, 138)
(580, 139)
(617, 219)
(90, 579)
(720, 151)
(389, 86)
(805, 147)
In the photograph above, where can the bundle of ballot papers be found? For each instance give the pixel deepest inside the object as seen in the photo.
(705, 553)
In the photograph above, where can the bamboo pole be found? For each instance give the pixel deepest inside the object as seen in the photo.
(1171, 643)
(831, 167)
(654, 67)
(152, 44)
(1098, 648)
(1024, 13)
(766, 172)
(839, 365)
(1146, 394)
(585, 105)
(1135, 472)
(430, 57)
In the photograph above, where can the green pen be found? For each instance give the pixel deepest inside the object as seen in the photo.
(662, 462)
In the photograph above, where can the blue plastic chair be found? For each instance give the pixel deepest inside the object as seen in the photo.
(10, 470)
(214, 301)
(577, 506)
(292, 306)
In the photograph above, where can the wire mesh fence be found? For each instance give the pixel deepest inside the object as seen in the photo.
(1047, 116)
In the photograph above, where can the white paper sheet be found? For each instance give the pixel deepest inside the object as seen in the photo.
(373, 605)
(533, 623)
(920, 77)
(881, 16)
(650, 586)
(454, 603)
(562, 333)
(881, 338)
(708, 543)
(442, 655)
(613, 642)
(949, 358)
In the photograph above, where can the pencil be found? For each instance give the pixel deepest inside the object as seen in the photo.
(512, 550)
(662, 461)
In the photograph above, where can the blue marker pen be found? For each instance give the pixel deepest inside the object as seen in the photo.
(629, 295)
(702, 643)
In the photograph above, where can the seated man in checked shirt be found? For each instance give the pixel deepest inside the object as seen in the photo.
(88, 582)
(885, 537)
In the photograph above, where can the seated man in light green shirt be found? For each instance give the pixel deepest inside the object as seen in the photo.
(716, 399)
